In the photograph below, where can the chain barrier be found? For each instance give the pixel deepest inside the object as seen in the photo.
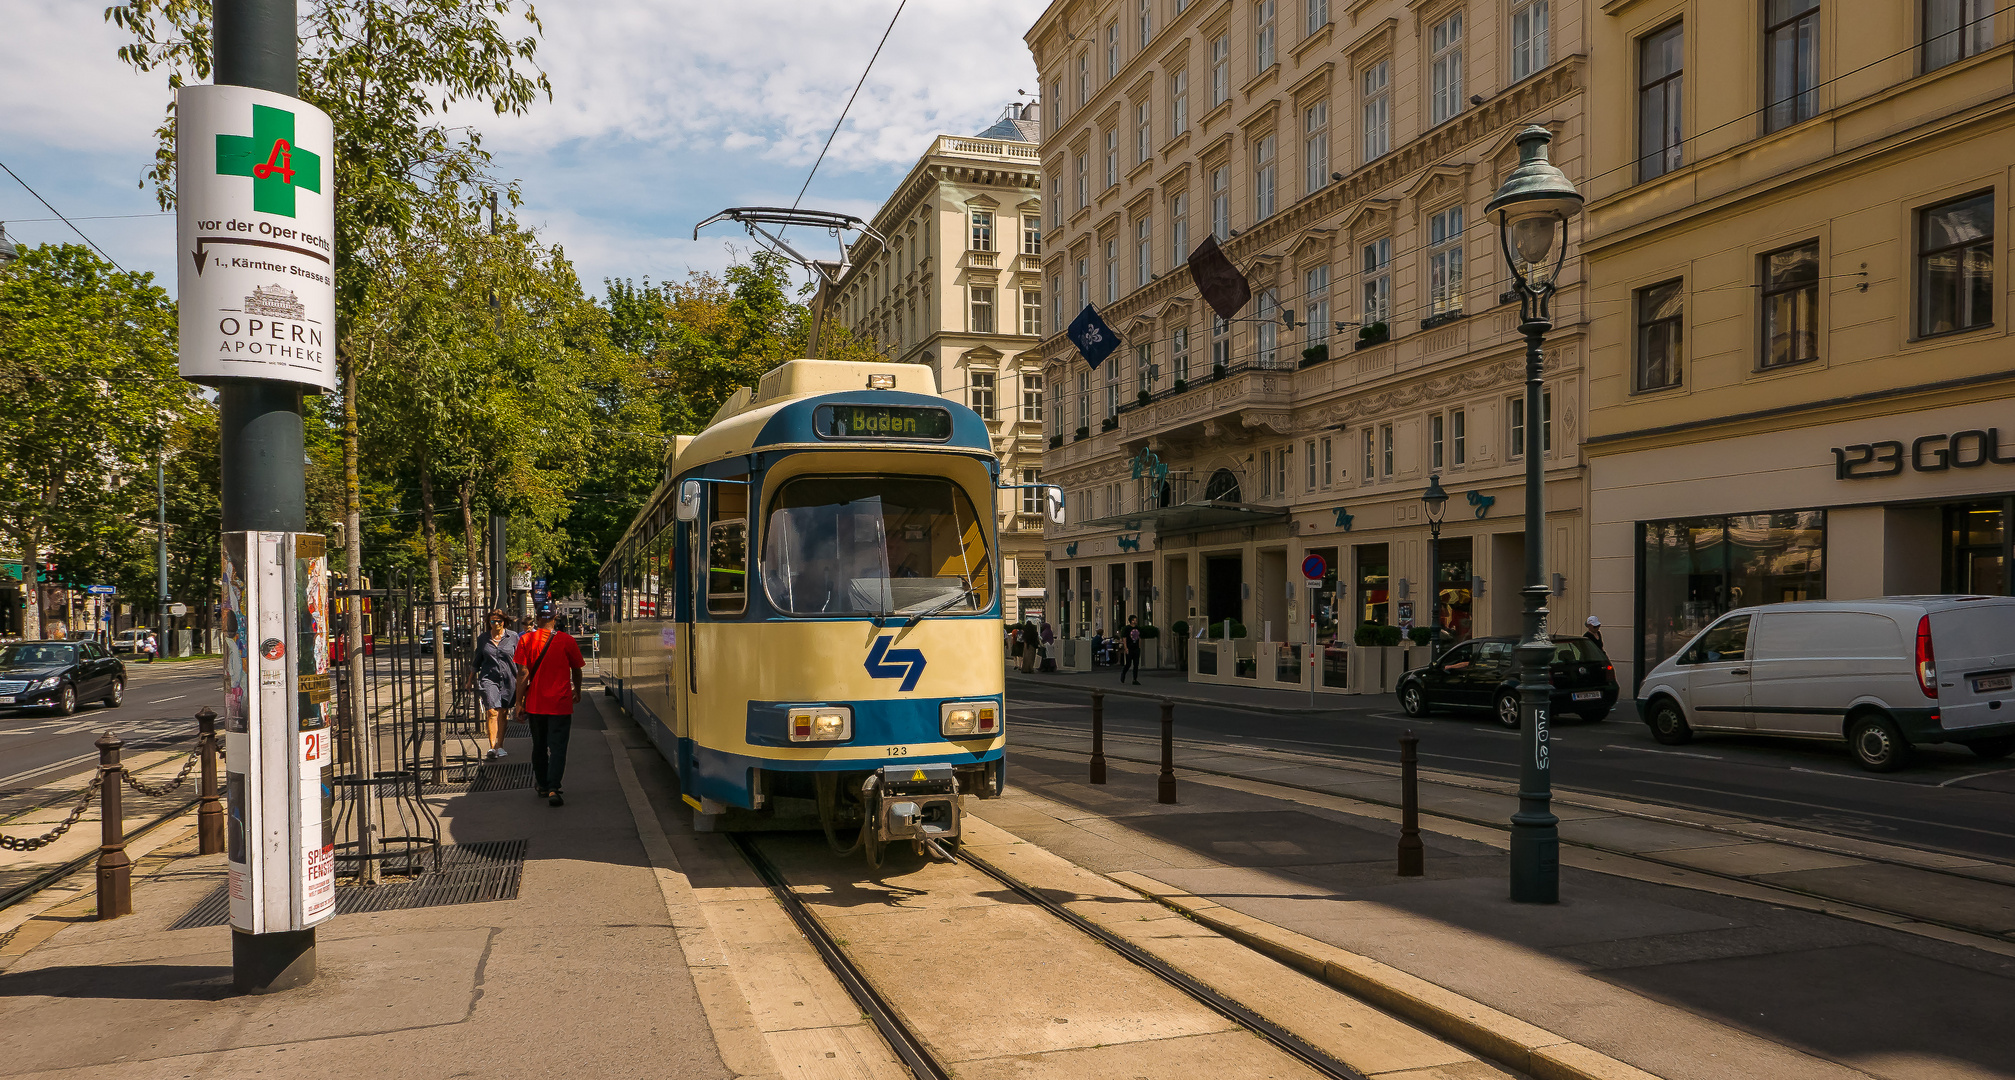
(32, 843)
(144, 789)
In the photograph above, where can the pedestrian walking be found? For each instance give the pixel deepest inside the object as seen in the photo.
(1048, 637)
(1594, 632)
(549, 679)
(1129, 649)
(497, 677)
(151, 647)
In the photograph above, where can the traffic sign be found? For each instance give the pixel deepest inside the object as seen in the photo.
(101, 590)
(256, 218)
(178, 610)
(1315, 567)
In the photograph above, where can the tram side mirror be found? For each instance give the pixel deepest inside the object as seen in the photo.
(689, 501)
(1054, 499)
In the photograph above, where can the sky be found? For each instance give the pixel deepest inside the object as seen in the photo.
(663, 112)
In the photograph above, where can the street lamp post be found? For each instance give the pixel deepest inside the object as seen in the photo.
(1531, 207)
(1437, 502)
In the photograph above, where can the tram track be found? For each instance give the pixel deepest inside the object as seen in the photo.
(50, 877)
(914, 1051)
(1470, 783)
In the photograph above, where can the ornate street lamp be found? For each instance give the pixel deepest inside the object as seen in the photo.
(1532, 208)
(1437, 502)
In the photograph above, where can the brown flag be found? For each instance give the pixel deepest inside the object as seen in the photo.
(1222, 286)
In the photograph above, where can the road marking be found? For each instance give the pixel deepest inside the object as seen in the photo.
(158, 701)
(1650, 750)
(1969, 776)
(1853, 776)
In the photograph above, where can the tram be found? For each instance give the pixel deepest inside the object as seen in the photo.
(806, 616)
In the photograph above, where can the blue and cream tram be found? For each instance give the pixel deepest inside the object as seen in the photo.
(807, 614)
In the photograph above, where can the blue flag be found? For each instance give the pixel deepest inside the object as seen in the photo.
(1093, 338)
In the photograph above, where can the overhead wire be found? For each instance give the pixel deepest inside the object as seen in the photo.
(60, 217)
(862, 81)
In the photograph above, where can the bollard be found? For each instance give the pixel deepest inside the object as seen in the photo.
(1098, 736)
(1165, 787)
(209, 809)
(1412, 857)
(115, 870)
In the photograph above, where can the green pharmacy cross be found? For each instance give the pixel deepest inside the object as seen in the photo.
(271, 159)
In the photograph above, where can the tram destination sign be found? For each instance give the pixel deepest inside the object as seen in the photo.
(256, 219)
(910, 423)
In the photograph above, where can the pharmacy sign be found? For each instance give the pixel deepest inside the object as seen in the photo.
(255, 216)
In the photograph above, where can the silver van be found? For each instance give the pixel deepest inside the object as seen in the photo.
(1881, 675)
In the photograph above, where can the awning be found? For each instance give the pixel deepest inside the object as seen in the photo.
(1194, 517)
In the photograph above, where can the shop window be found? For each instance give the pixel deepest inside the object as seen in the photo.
(1373, 579)
(1955, 265)
(1791, 305)
(1976, 548)
(1696, 569)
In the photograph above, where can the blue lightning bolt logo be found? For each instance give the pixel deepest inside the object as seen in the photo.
(904, 664)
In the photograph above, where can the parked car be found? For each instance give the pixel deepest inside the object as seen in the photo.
(130, 641)
(427, 644)
(1880, 675)
(57, 675)
(1482, 674)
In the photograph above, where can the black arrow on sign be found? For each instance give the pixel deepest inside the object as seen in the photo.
(201, 240)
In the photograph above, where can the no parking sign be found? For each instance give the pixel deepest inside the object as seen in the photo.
(1315, 567)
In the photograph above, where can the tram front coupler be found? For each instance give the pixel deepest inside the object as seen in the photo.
(918, 803)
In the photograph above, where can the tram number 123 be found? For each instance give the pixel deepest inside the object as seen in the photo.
(898, 751)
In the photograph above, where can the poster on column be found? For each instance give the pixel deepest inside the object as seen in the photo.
(255, 217)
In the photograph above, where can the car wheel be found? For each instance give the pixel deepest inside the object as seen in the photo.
(1993, 749)
(117, 695)
(1668, 724)
(1876, 744)
(66, 700)
(1508, 710)
(1413, 700)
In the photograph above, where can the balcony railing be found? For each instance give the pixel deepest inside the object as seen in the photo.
(995, 149)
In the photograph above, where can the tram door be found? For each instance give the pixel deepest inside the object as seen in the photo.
(678, 646)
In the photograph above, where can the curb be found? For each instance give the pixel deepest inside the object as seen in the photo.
(1182, 699)
(1469, 1024)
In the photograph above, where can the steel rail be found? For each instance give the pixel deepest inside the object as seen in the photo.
(1652, 858)
(1287, 1041)
(42, 881)
(907, 1046)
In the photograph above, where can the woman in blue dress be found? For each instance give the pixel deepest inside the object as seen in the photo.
(496, 677)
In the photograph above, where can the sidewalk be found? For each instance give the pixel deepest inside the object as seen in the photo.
(581, 974)
(1684, 983)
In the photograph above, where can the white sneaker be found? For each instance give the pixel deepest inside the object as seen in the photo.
(498, 753)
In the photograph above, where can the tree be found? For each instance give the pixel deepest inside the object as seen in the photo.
(88, 391)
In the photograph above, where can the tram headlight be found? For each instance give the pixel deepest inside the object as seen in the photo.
(969, 719)
(822, 723)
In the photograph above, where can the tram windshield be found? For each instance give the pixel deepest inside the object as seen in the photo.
(873, 545)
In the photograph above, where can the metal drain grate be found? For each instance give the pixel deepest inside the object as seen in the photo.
(489, 777)
(517, 731)
(469, 874)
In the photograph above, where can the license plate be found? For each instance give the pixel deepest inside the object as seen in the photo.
(1993, 682)
(6, 699)
(1587, 695)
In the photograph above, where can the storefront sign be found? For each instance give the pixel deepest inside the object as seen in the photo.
(1926, 453)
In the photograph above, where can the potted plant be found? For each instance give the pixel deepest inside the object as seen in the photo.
(1377, 661)
(1108, 423)
(1218, 371)
(1143, 397)
(1314, 354)
(1372, 334)
(1082, 433)
(1055, 441)
(1181, 385)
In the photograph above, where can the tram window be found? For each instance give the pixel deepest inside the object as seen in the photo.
(874, 545)
(728, 549)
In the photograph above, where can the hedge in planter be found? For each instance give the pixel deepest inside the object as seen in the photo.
(1373, 635)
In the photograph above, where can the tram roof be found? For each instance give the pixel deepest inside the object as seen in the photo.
(780, 410)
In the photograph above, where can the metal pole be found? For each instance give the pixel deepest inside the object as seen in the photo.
(209, 809)
(500, 563)
(261, 445)
(115, 870)
(161, 550)
(1164, 790)
(1412, 858)
(1433, 587)
(1098, 736)
(1535, 836)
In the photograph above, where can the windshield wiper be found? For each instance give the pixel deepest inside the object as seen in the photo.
(941, 605)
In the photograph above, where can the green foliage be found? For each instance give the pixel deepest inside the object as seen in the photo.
(1149, 631)
(1376, 635)
(1181, 628)
(1420, 635)
(1224, 628)
(88, 393)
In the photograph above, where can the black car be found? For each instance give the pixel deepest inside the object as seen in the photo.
(56, 675)
(1482, 673)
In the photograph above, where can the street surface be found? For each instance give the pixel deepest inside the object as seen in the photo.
(1949, 800)
(160, 710)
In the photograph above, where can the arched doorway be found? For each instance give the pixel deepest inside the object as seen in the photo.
(1223, 487)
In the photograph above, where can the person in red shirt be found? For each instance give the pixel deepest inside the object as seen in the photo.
(549, 685)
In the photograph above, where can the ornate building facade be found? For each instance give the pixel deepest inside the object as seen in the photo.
(1341, 153)
(958, 287)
